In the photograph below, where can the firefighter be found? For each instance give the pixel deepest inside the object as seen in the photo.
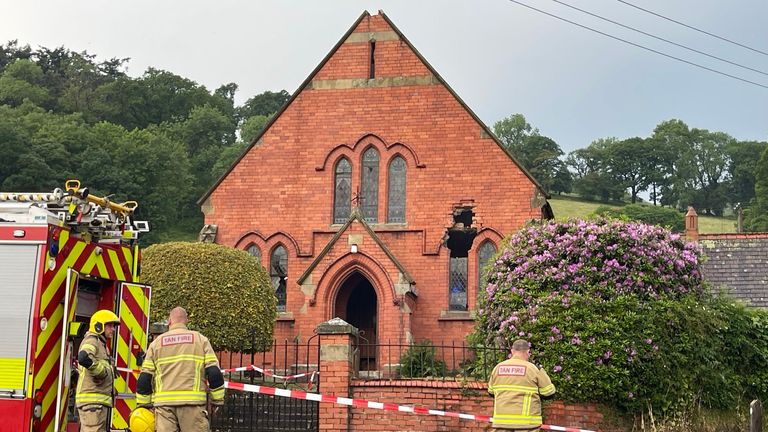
(518, 386)
(173, 377)
(95, 386)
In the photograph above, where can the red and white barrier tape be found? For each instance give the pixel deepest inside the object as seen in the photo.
(266, 372)
(362, 403)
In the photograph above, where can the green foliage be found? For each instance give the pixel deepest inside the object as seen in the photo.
(420, 361)
(652, 215)
(756, 216)
(21, 81)
(252, 127)
(264, 104)
(617, 313)
(538, 154)
(226, 292)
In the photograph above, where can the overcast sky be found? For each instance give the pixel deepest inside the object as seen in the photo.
(501, 58)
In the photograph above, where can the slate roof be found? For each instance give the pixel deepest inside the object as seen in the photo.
(737, 263)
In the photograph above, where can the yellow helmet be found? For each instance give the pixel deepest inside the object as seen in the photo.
(142, 420)
(100, 319)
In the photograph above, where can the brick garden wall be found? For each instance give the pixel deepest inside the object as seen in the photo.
(469, 398)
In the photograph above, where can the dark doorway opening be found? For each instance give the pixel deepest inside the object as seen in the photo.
(357, 304)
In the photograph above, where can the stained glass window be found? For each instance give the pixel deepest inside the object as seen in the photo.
(485, 254)
(254, 251)
(396, 191)
(278, 270)
(370, 185)
(457, 300)
(342, 193)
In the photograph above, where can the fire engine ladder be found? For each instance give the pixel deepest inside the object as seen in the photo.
(84, 213)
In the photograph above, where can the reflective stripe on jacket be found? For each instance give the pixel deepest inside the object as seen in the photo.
(517, 385)
(177, 359)
(94, 385)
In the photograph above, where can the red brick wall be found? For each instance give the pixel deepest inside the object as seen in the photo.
(282, 190)
(470, 398)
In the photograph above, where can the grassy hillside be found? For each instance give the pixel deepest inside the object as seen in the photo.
(570, 208)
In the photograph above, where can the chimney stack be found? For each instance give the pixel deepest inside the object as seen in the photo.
(692, 224)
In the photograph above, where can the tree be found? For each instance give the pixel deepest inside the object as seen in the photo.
(756, 216)
(593, 179)
(264, 104)
(742, 168)
(22, 80)
(513, 132)
(227, 293)
(627, 163)
(252, 127)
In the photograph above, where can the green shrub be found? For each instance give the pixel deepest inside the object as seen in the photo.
(226, 292)
(617, 314)
(652, 215)
(420, 361)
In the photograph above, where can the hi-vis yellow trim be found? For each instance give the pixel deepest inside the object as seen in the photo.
(527, 404)
(90, 349)
(524, 389)
(517, 419)
(179, 396)
(83, 398)
(217, 394)
(180, 357)
(143, 399)
(548, 390)
(12, 373)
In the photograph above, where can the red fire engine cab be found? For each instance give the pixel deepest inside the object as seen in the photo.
(63, 256)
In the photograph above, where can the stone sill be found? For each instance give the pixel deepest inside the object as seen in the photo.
(449, 315)
(378, 226)
(285, 316)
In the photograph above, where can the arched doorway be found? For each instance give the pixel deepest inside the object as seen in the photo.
(357, 304)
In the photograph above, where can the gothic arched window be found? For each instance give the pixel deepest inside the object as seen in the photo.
(396, 191)
(342, 191)
(278, 271)
(485, 254)
(254, 251)
(370, 186)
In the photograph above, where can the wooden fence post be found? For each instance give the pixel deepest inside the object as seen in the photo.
(756, 416)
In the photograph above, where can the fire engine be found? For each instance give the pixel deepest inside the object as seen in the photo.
(63, 256)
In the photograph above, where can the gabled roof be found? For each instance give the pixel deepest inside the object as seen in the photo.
(356, 216)
(330, 54)
(737, 263)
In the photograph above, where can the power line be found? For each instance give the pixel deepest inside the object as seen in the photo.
(642, 47)
(693, 28)
(661, 38)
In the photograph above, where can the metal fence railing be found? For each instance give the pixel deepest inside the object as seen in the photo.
(278, 367)
(445, 360)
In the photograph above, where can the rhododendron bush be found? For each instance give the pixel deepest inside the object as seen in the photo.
(617, 313)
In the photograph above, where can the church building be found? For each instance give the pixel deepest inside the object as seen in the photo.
(375, 195)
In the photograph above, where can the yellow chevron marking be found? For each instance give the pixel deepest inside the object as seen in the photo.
(61, 275)
(115, 262)
(101, 266)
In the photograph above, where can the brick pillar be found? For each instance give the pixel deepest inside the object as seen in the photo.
(692, 224)
(336, 369)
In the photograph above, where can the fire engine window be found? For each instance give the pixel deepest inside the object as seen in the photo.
(485, 254)
(370, 182)
(17, 283)
(396, 191)
(342, 193)
(278, 270)
(254, 251)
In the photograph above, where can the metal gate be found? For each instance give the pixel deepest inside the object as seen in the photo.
(253, 412)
